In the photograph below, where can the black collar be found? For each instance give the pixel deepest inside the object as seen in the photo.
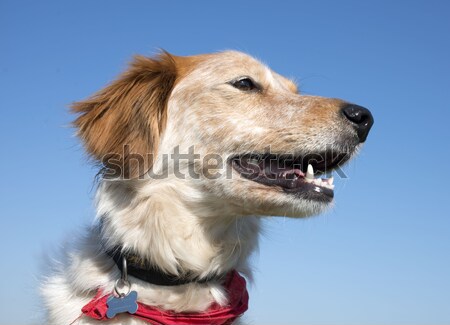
(138, 268)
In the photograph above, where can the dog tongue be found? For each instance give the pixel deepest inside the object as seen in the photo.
(271, 168)
(287, 171)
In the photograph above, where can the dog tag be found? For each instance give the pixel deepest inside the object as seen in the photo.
(122, 304)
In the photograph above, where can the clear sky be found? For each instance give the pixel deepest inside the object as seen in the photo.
(380, 256)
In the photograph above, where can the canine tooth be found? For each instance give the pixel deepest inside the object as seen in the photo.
(310, 172)
(331, 180)
(331, 187)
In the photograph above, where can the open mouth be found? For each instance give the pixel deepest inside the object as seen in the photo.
(293, 174)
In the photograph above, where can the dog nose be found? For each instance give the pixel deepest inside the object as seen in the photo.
(361, 119)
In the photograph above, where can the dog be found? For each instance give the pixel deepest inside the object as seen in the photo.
(193, 151)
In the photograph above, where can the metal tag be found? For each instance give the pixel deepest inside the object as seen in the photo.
(122, 304)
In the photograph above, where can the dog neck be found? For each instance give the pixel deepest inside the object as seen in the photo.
(175, 227)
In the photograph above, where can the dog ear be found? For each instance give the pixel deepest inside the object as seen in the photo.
(121, 125)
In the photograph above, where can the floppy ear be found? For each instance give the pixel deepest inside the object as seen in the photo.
(121, 125)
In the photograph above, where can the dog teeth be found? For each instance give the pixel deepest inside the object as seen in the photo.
(308, 177)
(310, 172)
(323, 182)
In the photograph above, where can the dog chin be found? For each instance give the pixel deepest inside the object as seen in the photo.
(301, 208)
(247, 198)
(288, 205)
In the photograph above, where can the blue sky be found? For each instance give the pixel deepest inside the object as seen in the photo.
(380, 256)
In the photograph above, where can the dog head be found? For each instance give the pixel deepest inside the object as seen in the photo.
(226, 125)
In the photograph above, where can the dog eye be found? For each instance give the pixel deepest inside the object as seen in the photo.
(245, 84)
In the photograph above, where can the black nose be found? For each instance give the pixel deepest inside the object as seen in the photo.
(361, 119)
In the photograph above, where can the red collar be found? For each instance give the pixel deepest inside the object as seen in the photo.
(215, 315)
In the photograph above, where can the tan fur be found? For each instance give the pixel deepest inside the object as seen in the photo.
(131, 111)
